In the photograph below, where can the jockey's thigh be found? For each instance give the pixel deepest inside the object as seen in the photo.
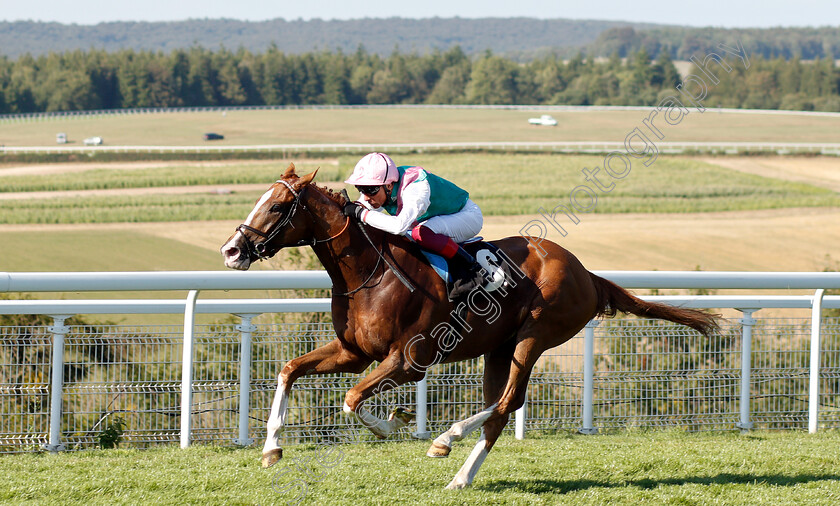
(460, 226)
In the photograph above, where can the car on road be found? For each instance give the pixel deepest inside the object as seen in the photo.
(213, 137)
(93, 141)
(544, 120)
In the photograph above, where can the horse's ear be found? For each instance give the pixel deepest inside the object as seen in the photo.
(290, 171)
(305, 180)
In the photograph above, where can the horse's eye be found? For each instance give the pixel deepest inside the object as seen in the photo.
(275, 208)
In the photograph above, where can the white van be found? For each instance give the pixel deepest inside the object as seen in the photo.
(544, 120)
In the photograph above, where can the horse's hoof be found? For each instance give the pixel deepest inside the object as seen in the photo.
(438, 451)
(457, 485)
(404, 415)
(272, 457)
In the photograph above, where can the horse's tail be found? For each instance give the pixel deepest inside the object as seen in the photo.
(612, 298)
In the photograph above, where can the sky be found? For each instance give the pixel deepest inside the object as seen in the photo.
(721, 13)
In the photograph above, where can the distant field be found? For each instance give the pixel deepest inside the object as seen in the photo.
(501, 184)
(820, 171)
(732, 213)
(329, 126)
(779, 239)
(173, 174)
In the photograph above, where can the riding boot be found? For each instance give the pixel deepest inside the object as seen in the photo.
(472, 277)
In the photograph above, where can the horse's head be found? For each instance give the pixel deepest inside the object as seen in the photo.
(276, 221)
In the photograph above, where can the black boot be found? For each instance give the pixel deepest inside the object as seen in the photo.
(469, 276)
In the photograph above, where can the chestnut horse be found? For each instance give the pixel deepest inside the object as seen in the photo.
(377, 317)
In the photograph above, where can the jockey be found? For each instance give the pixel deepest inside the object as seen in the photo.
(437, 213)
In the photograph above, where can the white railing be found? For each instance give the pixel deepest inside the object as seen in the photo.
(279, 280)
(247, 309)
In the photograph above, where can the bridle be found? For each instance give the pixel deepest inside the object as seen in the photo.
(259, 249)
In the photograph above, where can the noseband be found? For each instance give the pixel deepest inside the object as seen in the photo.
(259, 249)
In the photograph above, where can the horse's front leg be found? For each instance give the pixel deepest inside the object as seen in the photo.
(391, 373)
(330, 358)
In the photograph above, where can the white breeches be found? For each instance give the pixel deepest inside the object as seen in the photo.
(460, 226)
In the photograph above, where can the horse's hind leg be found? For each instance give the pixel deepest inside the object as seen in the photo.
(442, 445)
(496, 367)
(511, 398)
(330, 358)
(490, 432)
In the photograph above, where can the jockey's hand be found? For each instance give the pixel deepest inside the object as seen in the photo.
(353, 210)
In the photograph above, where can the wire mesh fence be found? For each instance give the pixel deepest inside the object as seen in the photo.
(24, 387)
(122, 383)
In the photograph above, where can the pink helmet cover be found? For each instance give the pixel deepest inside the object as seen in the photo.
(374, 169)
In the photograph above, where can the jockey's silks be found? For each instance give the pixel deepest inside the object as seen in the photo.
(445, 197)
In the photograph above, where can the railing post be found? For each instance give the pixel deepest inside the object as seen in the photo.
(58, 330)
(747, 323)
(245, 329)
(519, 423)
(589, 377)
(814, 379)
(422, 401)
(187, 368)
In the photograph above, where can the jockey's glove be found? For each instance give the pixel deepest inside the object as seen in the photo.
(353, 210)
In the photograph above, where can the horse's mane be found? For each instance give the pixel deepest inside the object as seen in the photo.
(333, 195)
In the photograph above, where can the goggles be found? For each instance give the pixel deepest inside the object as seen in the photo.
(370, 191)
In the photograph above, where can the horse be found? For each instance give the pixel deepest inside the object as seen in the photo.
(390, 306)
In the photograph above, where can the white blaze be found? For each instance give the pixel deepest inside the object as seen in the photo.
(267, 195)
(235, 260)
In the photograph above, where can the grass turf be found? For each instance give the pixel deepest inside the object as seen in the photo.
(665, 467)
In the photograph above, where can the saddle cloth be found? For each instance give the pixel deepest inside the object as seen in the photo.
(474, 246)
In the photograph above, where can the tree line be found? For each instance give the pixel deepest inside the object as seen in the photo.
(198, 77)
(685, 42)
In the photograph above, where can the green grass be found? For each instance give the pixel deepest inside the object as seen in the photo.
(102, 250)
(329, 126)
(501, 184)
(654, 468)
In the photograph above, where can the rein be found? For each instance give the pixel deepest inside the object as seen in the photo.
(397, 273)
(379, 261)
(364, 284)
